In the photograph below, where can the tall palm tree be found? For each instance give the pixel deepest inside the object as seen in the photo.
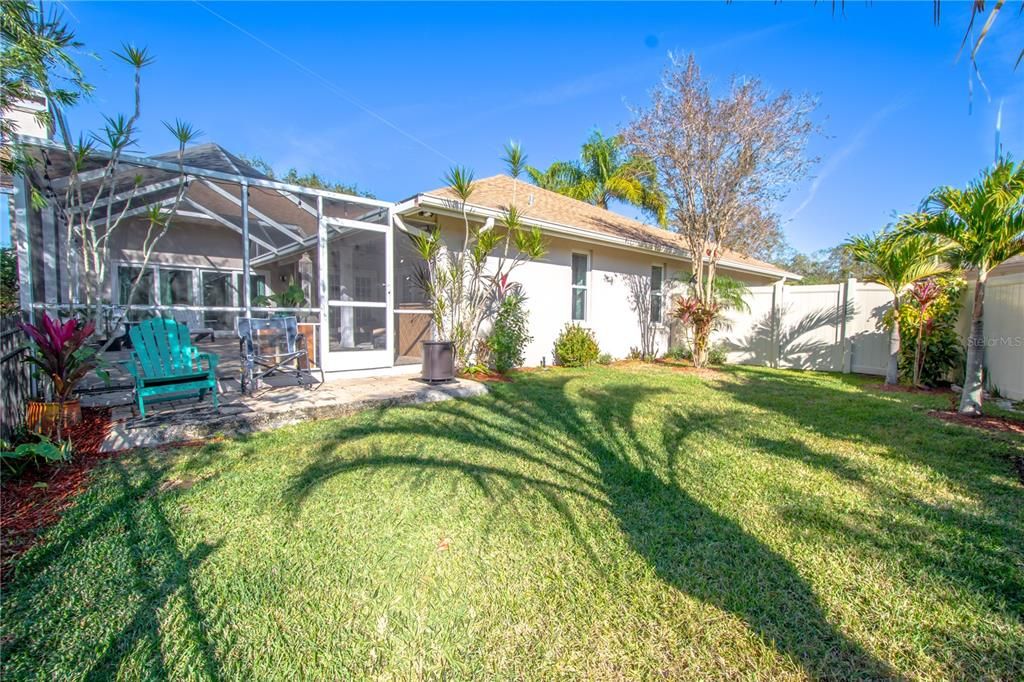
(984, 226)
(605, 171)
(897, 261)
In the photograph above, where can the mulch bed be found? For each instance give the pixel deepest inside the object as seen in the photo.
(993, 424)
(901, 388)
(485, 376)
(33, 500)
(999, 424)
(685, 367)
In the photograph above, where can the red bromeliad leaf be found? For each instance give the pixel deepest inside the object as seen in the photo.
(57, 351)
(503, 285)
(34, 333)
(925, 292)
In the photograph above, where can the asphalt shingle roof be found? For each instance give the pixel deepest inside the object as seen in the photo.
(496, 192)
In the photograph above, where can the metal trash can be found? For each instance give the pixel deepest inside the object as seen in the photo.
(438, 361)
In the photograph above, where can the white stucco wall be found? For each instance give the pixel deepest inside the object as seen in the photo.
(548, 286)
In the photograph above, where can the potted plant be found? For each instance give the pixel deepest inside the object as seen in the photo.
(59, 352)
(462, 284)
(292, 297)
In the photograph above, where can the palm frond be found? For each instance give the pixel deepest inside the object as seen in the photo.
(605, 172)
(514, 158)
(983, 222)
(898, 259)
(460, 180)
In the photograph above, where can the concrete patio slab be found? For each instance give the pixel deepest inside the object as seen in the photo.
(277, 404)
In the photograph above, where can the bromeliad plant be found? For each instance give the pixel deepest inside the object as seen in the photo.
(462, 281)
(60, 353)
(932, 307)
(701, 317)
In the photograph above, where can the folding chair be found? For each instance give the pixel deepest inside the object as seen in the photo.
(268, 346)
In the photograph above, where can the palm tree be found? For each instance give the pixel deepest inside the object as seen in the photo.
(897, 261)
(605, 172)
(983, 226)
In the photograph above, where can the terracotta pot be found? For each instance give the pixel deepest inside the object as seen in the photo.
(44, 418)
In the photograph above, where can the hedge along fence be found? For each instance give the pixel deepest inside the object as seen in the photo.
(838, 328)
(15, 376)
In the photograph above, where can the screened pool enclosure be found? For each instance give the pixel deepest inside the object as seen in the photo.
(238, 243)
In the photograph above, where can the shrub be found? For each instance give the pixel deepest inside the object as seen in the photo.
(678, 353)
(42, 451)
(509, 338)
(604, 359)
(717, 355)
(576, 347)
(60, 353)
(941, 348)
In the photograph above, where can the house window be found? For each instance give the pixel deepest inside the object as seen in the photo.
(143, 294)
(580, 266)
(657, 293)
(175, 287)
(257, 288)
(218, 292)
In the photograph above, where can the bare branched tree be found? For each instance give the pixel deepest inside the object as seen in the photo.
(758, 234)
(723, 161)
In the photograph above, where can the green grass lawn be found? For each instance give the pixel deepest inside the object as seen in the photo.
(630, 522)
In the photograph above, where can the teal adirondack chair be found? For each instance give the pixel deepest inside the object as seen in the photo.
(166, 366)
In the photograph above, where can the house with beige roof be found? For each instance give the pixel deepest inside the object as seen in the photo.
(239, 237)
(594, 262)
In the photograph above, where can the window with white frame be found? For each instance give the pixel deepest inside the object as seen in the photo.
(580, 270)
(186, 286)
(657, 293)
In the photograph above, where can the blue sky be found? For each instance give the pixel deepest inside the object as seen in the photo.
(455, 81)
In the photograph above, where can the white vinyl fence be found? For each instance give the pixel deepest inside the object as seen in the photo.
(1004, 333)
(838, 328)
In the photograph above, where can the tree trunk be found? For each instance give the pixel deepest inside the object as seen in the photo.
(970, 398)
(919, 352)
(892, 372)
(701, 341)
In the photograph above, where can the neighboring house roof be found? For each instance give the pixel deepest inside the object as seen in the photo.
(535, 203)
(1013, 266)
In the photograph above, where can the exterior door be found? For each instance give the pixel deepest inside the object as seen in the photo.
(359, 320)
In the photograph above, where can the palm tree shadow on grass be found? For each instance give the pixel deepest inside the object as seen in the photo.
(993, 538)
(593, 452)
(161, 572)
